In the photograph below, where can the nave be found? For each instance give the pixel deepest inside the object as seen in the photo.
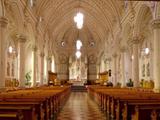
(80, 107)
(48, 47)
(99, 103)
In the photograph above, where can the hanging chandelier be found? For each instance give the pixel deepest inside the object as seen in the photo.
(78, 44)
(147, 50)
(10, 49)
(79, 19)
(78, 54)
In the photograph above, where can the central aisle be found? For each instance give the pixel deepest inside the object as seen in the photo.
(80, 107)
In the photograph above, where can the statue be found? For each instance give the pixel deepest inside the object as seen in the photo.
(8, 69)
(12, 69)
(78, 78)
(148, 70)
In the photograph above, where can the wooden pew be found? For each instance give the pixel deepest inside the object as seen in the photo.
(28, 112)
(113, 100)
(11, 116)
(45, 101)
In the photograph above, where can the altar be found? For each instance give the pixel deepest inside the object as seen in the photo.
(78, 72)
(77, 82)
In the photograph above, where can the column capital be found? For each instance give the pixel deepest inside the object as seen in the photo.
(34, 48)
(21, 38)
(108, 59)
(98, 63)
(156, 23)
(114, 55)
(137, 39)
(49, 58)
(123, 49)
(42, 54)
(3, 22)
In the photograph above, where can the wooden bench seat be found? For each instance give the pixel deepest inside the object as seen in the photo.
(39, 103)
(127, 103)
(28, 112)
(11, 116)
(38, 106)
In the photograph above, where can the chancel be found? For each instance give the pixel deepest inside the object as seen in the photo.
(79, 59)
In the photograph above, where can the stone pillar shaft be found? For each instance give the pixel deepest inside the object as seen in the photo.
(123, 67)
(49, 62)
(135, 65)
(21, 54)
(114, 69)
(3, 26)
(156, 54)
(42, 68)
(46, 73)
(34, 58)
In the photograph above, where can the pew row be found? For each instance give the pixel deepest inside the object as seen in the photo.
(41, 103)
(127, 103)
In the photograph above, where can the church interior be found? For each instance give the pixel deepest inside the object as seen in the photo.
(79, 60)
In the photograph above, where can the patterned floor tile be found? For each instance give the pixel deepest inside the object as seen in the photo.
(80, 107)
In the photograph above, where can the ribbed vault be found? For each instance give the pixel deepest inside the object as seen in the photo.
(100, 19)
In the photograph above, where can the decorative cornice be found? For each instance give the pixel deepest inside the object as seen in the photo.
(156, 23)
(3, 22)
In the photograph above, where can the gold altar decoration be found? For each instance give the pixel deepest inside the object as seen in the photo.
(52, 78)
(103, 78)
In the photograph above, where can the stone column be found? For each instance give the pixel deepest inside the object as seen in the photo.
(109, 69)
(156, 54)
(114, 69)
(97, 70)
(34, 58)
(3, 26)
(21, 59)
(46, 72)
(49, 64)
(135, 61)
(123, 81)
(42, 68)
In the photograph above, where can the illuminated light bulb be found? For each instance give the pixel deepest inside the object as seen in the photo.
(78, 44)
(10, 49)
(132, 57)
(78, 19)
(31, 2)
(78, 54)
(147, 51)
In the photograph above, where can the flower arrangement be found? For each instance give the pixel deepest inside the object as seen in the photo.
(28, 78)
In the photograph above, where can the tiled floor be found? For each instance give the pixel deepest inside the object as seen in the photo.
(80, 107)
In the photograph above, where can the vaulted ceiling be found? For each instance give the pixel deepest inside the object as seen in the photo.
(100, 17)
